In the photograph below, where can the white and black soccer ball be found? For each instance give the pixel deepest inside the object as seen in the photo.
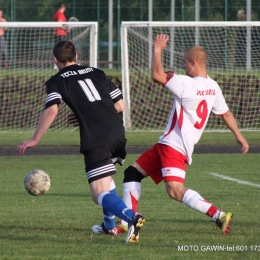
(37, 182)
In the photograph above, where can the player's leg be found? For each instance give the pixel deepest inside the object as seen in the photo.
(99, 177)
(148, 162)
(132, 187)
(112, 203)
(108, 217)
(109, 220)
(191, 198)
(116, 150)
(194, 200)
(118, 154)
(108, 225)
(99, 169)
(174, 171)
(109, 201)
(98, 165)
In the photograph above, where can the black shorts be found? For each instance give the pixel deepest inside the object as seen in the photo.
(99, 161)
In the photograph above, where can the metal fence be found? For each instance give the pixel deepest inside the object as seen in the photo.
(125, 10)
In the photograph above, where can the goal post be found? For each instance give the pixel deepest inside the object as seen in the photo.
(27, 63)
(233, 60)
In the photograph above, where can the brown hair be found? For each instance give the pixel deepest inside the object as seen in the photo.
(60, 5)
(64, 51)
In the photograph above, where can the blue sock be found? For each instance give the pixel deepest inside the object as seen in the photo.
(116, 206)
(108, 217)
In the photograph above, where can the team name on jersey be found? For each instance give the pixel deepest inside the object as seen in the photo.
(206, 92)
(84, 71)
(69, 73)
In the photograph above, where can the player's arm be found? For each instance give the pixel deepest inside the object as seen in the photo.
(119, 106)
(158, 73)
(116, 96)
(231, 123)
(45, 121)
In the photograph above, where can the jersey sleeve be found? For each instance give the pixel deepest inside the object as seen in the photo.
(53, 94)
(175, 84)
(220, 106)
(115, 92)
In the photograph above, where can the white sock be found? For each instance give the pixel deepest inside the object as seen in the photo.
(131, 196)
(193, 200)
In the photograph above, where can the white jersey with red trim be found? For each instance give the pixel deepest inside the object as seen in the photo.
(194, 99)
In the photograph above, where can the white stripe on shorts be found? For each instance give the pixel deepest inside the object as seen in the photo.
(101, 170)
(171, 171)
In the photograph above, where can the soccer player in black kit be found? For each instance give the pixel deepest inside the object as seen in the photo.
(96, 102)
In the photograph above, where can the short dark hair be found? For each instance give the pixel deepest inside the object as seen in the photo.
(60, 5)
(64, 51)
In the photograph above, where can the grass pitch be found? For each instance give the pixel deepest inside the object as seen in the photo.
(58, 224)
(140, 139)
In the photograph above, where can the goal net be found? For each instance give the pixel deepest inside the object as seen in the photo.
(233, 50)
(27, 62)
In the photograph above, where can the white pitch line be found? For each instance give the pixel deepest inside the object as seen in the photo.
(234, 180)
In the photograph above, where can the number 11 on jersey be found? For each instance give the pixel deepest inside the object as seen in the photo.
(89, 90)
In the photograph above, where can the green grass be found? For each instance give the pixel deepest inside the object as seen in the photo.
(134, 138)
(58, 224)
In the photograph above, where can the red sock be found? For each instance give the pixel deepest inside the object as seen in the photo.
(212, 211)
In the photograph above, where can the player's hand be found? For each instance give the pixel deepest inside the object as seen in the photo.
(24, 145)
(72, 120)
(160, 42)
(244, 144)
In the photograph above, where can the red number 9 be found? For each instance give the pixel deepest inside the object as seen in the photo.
(202, 112)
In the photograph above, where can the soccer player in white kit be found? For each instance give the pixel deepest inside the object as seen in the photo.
(195, 96)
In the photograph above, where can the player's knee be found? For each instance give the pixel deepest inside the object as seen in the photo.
(132, 174)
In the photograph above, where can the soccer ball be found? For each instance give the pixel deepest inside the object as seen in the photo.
(37, 182)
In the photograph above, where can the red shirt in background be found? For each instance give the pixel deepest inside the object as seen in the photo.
(2, 31)
(59, 17)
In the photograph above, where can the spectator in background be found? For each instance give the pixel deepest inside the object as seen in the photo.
(241, 15)
(3, 45)
(60, 33)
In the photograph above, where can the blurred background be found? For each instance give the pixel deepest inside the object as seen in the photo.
(110, 13)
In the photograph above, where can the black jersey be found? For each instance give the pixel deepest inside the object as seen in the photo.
(91, 96)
